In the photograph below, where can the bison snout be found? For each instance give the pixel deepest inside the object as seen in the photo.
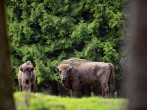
(27, 81)
(63, 78)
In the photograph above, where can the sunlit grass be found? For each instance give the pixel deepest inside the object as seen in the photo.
(40, 101)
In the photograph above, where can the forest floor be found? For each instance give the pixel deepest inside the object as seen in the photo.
(39, 101)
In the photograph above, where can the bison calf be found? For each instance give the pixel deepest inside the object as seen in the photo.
(27, 77)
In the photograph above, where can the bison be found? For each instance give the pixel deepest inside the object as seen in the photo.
(27, 77)
(75, 72)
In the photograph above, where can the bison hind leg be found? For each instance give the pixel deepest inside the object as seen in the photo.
(105, 90)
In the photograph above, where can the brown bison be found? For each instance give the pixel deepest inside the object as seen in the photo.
(75, 72)
(27, 77)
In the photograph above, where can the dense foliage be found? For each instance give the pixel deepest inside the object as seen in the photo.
(25, 101)
(48, 31)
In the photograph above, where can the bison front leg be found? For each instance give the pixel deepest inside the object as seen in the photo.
(20, 84)
(74, 93)
(75, 89)
(32, 87)
(20, 87)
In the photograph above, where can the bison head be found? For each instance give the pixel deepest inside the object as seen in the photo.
(27, 70)
(64, 71)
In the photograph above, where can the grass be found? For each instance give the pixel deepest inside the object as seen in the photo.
(38, 101)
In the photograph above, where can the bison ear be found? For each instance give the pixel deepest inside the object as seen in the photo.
(21, 69)
(70, 68)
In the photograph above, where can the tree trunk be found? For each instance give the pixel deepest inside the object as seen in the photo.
(6, 98)
(138, 57)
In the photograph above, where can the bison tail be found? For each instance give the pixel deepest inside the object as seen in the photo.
(112, 78)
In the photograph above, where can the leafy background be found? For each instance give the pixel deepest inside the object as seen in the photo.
(48, 31)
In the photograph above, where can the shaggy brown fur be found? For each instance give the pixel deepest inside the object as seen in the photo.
(27, 77)
(75, 72)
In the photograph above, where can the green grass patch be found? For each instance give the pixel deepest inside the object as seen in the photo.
(38, 101)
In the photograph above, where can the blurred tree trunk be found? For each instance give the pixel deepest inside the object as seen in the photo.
(138, 57)
(6, 98)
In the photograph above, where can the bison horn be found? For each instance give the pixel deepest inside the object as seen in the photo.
(20, 68)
